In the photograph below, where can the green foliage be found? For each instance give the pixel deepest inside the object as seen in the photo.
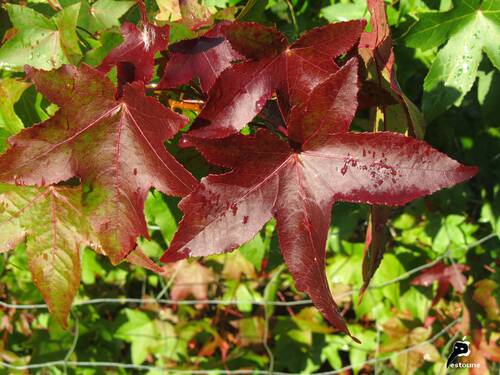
(439, 49)
(467, 30)
(41, 42)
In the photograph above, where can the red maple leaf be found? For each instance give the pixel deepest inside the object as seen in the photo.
(297, 180)
(445, 276)
(115, 146)
(134, 58)
(205, 57)
(272, 66)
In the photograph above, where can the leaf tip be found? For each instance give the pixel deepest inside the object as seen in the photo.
(171, 256)
(355, 339)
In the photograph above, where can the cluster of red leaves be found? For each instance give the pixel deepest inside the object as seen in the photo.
(111, 138)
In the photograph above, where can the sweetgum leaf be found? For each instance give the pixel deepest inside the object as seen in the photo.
(51, 220)
(204, 57)
(169, 10)
(375, 47)
(41, 42)
(377, 53)
(445, 276)
(194, 15)
(115, 147)
(375, 243)
(471, 27)
(272, 66)
(102, 14)
(297, 181)
(135, 56)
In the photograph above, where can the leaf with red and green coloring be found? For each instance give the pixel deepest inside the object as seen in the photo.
(194, 15)
(205, 57)
(375, 47)
(375, 243)
(273, 66)
(114, 146)
(445, 276)
(135, 56)
(52, 222)
(139, 259)
(297, 184)
(398, 115)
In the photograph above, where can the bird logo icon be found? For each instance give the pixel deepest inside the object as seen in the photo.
(460, 349)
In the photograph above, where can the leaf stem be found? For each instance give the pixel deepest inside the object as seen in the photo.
(294, 18)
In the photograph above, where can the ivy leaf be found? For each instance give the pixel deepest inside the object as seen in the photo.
(54, 226)
(445, 276)
(115, 147)
(272, 66)
(135, 56)
(204, 57)
(11, 90)
(41, 42)
(471, 27)
(297, 181)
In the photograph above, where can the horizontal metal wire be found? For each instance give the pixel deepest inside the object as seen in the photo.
(163, 301)
(66, 363)
(221, 371)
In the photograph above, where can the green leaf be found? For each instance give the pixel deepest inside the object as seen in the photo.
(4, 134)
(146, 336)
(490, 212)
(488, 92)
(10, 91)
(108, 40)
(41, 42)
(453, 72)
(51, 221)
(472, 26)
(103, 14)
(91, 267)
(159, 213)
(138, 330)
(345, 11)
(244, 296)
(254, 251)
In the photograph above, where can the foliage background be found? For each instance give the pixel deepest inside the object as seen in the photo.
(460, 225)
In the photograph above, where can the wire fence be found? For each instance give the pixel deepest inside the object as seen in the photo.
(377, 359)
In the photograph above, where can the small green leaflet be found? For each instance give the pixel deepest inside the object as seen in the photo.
(471, 27)
(41, 42)
(51, 221)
